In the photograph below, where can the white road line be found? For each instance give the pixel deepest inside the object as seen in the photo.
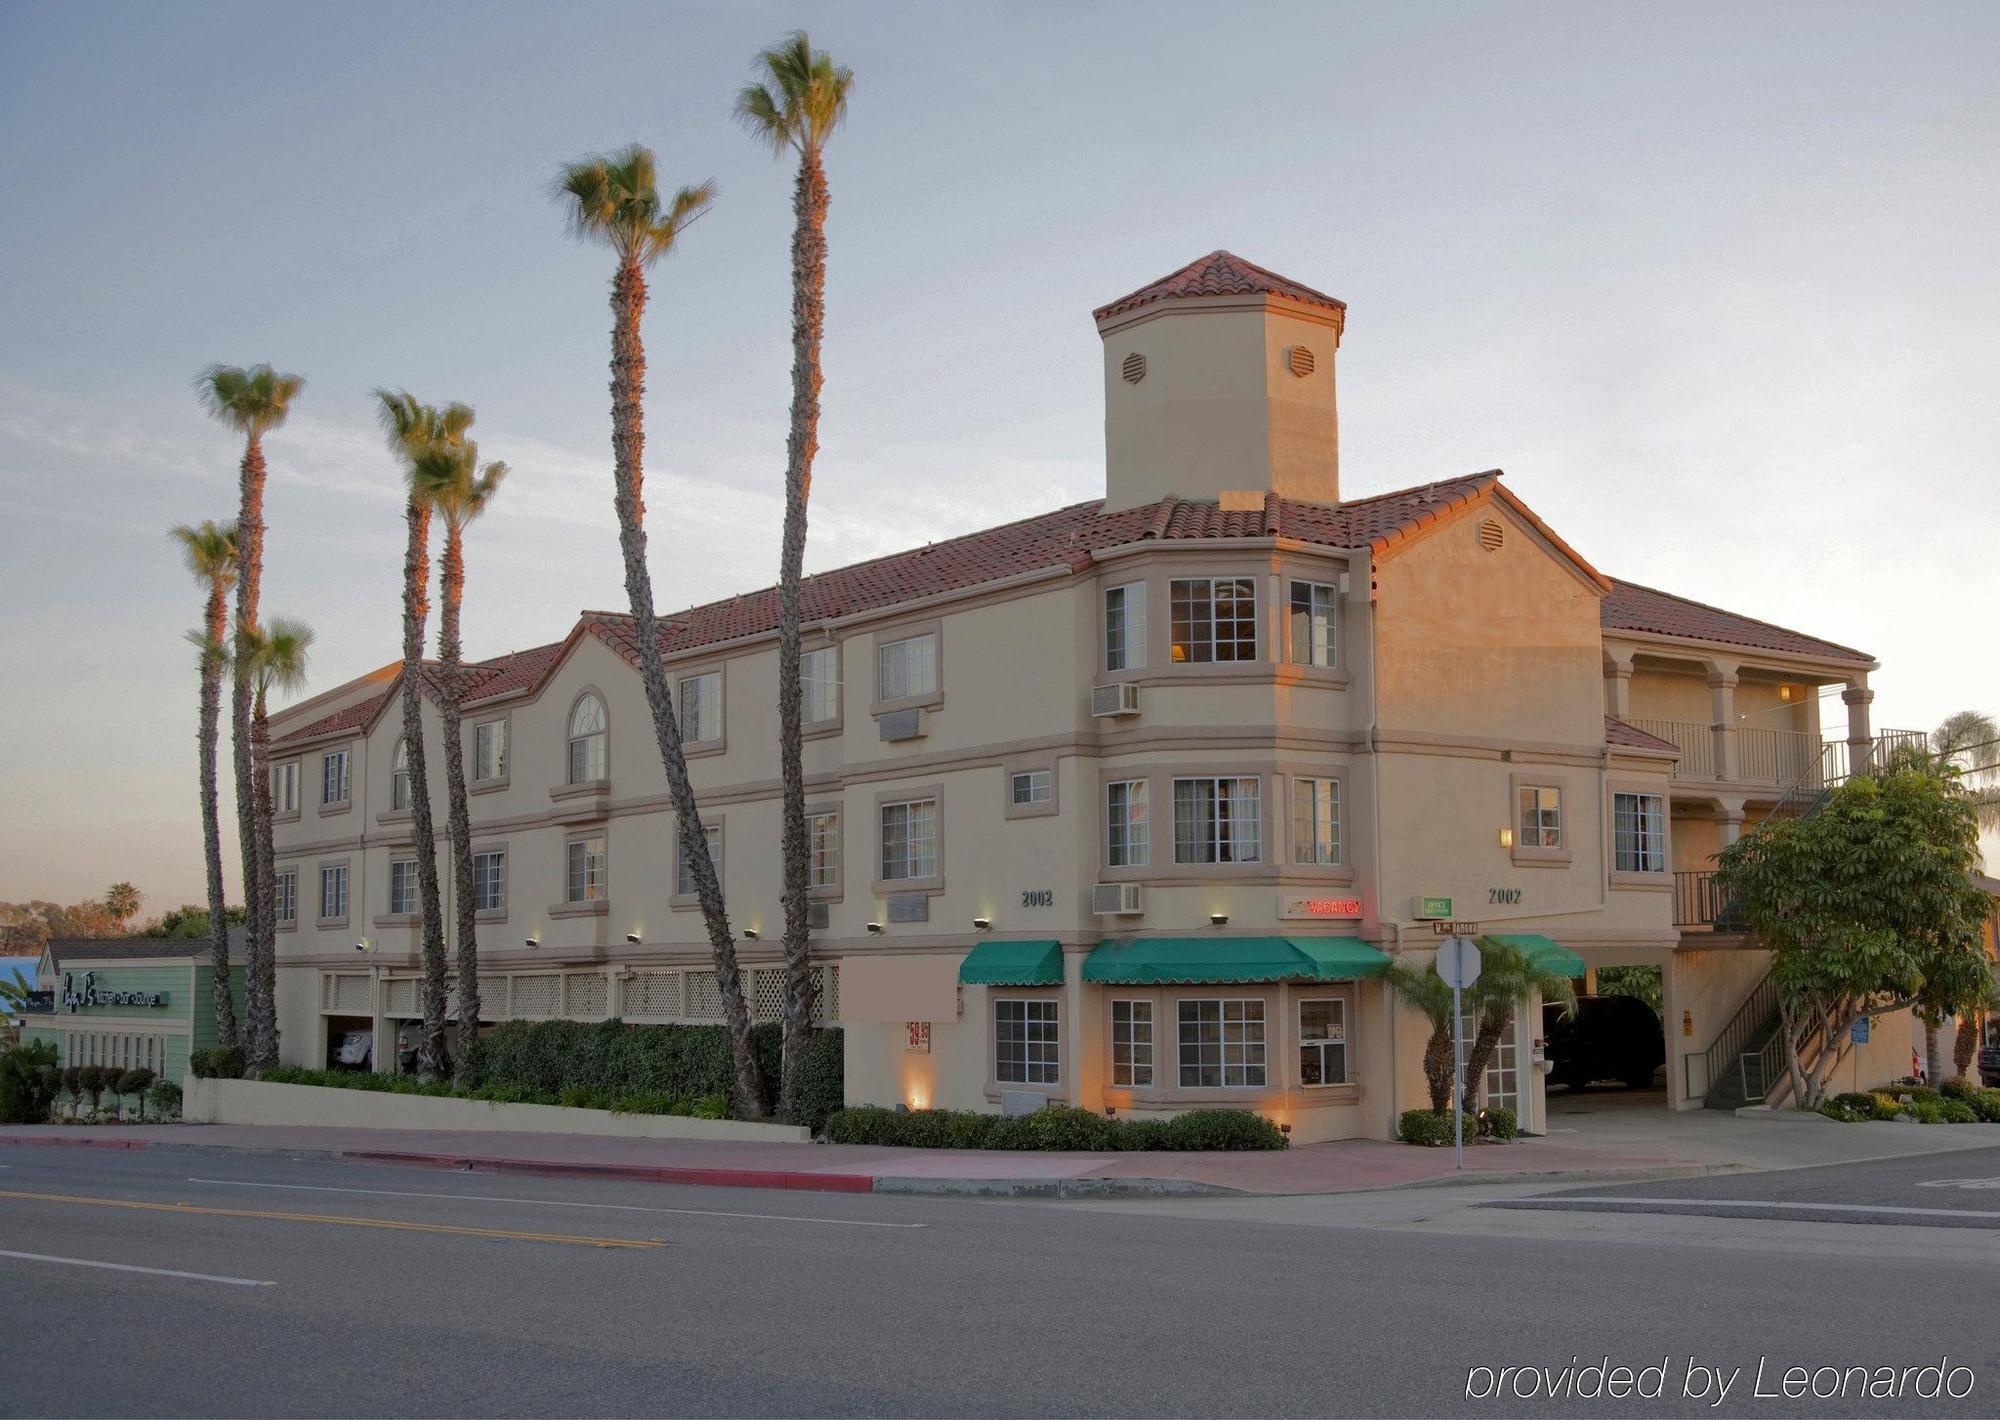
(555, 1203)
(128, 1267)
(1754, 1203)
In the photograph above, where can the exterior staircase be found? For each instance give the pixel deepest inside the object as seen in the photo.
(1746, 1058)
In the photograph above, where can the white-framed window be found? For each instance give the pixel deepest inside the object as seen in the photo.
(285, 895)
(489, 751)
(333, 777)
(583, 869)
(684, 870)
(1125, 627)
(1025, 1042)
(1639, 833)
(1316, 821)
(586, 741)
(1214, 618)
(909, 840)
(333, 890)
(403, 885)
(1132, 1043)
(1315, 623)
(285, 787)
(1218, 820)
(701, 707)
(819, 685)
(489, 880)
(1541, 816)
(1128, 833)
(1031, 786)
(823, 832)
(907, 667)
(1222, 1044)
(399, 776)
(1323, 1041)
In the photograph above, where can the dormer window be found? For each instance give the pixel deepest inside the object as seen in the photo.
(586, 741)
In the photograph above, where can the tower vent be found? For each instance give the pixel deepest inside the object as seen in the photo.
(1135, 368)
(1299, 360)
(1491, 535)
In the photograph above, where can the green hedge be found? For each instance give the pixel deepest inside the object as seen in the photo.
(217, 1063)
(1426, 1127)
(27, 1082)
(1055, 1127)
(1502, 1123)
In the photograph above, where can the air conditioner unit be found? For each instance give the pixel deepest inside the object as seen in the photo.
(900, 725)
(1117, 899)
(1112, 701)
(818, 915)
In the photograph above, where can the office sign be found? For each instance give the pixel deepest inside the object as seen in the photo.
(1296, 907)
(1428, 909)
(39, 1003)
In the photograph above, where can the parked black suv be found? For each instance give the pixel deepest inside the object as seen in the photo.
(1609, 1038)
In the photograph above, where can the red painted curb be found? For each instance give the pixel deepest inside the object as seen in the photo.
(44, 1142)
(643, 1173)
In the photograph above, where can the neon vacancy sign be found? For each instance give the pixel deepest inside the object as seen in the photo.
(74, 999)
(1302, 907)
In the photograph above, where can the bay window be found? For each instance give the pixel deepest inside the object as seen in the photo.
(1214, 618)
(1125, 627)
(1218, 820)
(1128, 835)
(1314, 623)
(1222, 1044)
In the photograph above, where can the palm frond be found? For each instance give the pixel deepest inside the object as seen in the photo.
(252, 400)
(615, 198)
(209, 550)
(213, 652)
(275, 653)
(801, 98)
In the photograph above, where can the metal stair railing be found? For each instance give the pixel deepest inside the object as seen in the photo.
(1751, 1018)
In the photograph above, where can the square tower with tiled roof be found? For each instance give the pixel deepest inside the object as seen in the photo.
(1218, 381)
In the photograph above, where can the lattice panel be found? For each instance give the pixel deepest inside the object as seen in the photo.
(492, 998)
(536, 995)
(704, 1001)
(767, 995)
(350, 995)
(584, 996)
(401, 997)
(653, 995)
(826, 1009)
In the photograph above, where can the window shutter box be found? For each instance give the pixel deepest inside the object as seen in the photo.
(902, 725)
(1113, 701)
(818, 915)
(1117, 899)
(909, 907)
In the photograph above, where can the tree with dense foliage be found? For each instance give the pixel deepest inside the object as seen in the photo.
(799, 101)
(26, 927)
(1428, 994)
(414, 429)
(1867, 906)
(459, 488)
(122, 901)
(615, 199)
(210, 551)
(252, 401)
(190, 922)
(1508, 979)
(275, 658)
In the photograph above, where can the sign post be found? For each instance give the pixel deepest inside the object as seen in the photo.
(1458, 964)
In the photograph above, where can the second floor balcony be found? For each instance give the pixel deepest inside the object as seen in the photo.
(1778, 759)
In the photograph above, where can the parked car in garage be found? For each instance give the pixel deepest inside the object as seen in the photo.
(1607, 1038)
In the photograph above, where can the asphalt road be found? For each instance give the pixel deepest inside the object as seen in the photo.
(241, 1285)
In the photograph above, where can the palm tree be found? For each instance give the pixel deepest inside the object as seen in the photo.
(210, 550)
(796, 108)
(253, 402)
(1508, 979)
(1970, 743)
(459, 489)
(413, 430)
(615, 199)
(272, 657)
(1427, 993)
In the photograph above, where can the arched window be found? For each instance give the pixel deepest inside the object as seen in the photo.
(399, 777)
(586, 741)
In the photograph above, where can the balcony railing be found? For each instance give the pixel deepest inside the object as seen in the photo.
(1698, 902)
(1774, 756)
(1695, 742)
(1766, 756)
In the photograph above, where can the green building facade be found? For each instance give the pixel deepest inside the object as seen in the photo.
(130, 1002)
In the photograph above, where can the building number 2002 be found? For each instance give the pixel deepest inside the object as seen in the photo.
(1507, 895)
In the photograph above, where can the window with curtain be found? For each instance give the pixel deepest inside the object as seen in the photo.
(489, 751)
(1315, 633)
(1214, 618)
(403, 885)
(1541, 816)
(906, 668)
(701, 707)
(285, 787)
(399, 776)
(489, 881)
(819, 685)
(1218, 820)
(1128, 836)
(333, 778)
(824, 831)
(584, 869)
(1316, 821)
(1639, 833)
(586, 741)
(909, 840)
(1125, 627)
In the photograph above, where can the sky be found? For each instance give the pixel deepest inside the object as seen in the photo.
(1712, 283)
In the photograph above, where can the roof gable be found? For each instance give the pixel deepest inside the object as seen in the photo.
(1220, 273)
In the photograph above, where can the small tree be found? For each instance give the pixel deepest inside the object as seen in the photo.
(1867, 907)
(94, 1080)
(1427, 993)
(136, 1082)
(72, 1083)
(1508, 979)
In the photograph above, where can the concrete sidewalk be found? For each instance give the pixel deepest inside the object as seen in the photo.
(1616, 1144)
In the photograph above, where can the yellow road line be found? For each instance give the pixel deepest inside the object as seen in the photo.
(335, 1218)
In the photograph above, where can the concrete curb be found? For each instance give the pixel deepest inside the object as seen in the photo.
(1631, 1173)
(1135, 1187)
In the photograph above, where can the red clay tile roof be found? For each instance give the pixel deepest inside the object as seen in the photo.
(351, 718)
(1220, 273)
(1631, 607)
(485, 680)
(1617, 732)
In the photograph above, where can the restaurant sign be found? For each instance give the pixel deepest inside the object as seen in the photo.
(90, 995)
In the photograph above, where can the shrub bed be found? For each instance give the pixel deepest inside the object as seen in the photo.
(1956, 1102)
(1055, 1127)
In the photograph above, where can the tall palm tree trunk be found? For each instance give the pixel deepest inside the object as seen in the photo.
(213, 658)
(628, 447)
(1965, 1045)
(263, 964)
(809, 204)
(249, 585)
(1437, 1068)
(460, 814)
(433, 1058)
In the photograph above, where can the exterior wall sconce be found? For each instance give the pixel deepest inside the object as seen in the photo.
(534, 941)
(876, 928)
(749, 934)
(1506, 838)
(634, 938)
(1218, 919)
(364, 945)
(982, 924)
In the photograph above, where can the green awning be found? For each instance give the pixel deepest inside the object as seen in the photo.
(1013, 964)
(1546, 954)
(1156, 961)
